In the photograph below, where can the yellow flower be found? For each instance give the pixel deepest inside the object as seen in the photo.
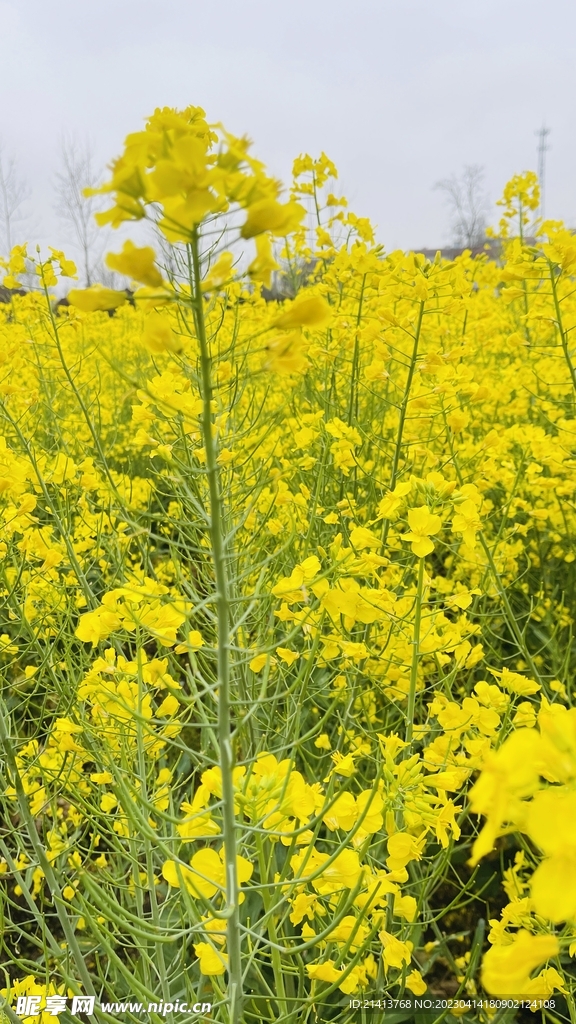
(323, 972)
(264, 264)
(305, 311)
(406, 907)
(402, 848)
(137, 264)
(97, 625)
(212, 961)
(349, 930)
(369, 805)
(343, 765)
(270, 215)
(195, 639)
(423, 524)
(89, 300)
(506, 969)
(159, 336)
(292, 588)
(343, 872)
(327, 972)
(9, 281)
(257, 663)
(551, 824)
(220, 273)
(303, 905)
(216, 929)
(206, 874)
(194, 642)
(67, 267)
(457, 420)
(286, 353)
(198, 820)
(415, 982)
(18, 257)
(395, 952)
(553, 887)
(181, 215)
(323, 741)
(525, 717)
(287, 656)
(342, 814)
(362, 538)
(545, 983)
(492, 697)
(168, 706)
(509, 774)
(467, 522)
(516, 683)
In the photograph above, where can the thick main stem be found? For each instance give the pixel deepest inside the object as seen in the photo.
(223, 617)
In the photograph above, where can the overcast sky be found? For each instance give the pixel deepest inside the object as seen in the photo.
(399, 93)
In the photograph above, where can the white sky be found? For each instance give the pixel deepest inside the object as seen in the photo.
(399, 93)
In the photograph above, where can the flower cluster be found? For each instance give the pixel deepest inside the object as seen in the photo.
(286, 599)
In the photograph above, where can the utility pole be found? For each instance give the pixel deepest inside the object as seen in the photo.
(543, 148)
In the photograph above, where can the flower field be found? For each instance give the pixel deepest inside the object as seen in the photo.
(287, 594)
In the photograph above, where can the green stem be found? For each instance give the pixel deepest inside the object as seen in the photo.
(415, 654)
(406, 399)
(223, 618)
(402, 419)
(274, 951)
(353, 403)
(158, 949)
(511, 618)
(563, 333)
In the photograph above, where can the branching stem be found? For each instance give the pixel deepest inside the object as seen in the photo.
(226, 752)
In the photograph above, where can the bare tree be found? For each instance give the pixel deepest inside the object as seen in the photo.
(468, 204)
(14, 192)
(77, 173)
